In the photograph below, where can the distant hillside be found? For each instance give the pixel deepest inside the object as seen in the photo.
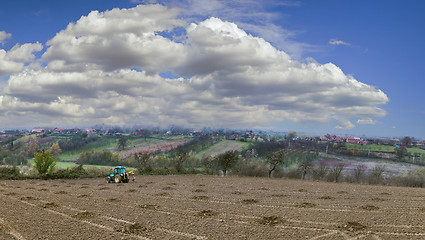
(221, 147)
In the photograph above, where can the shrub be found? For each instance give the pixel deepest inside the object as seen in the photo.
(44, 162)
(253, 171)
(408, 181)
(98, 172)
(293, 174)
(210, 165)
(10, 173)
(75, 172)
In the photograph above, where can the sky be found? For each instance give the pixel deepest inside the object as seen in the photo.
(331, 66)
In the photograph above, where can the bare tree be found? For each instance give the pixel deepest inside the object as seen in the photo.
(358, 172)
(143, 159)
(406, 141)
(336, 171)
(179, 159)
(401, 152)
(320, 171)
(227, 160)
(275, 159)
(122, 143)
(376, 175)
(304, 166)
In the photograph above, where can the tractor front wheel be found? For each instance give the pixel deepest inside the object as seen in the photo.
(108, 180)
(118, 178)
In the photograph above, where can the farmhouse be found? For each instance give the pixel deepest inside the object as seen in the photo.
(37, 130)
(355, 140)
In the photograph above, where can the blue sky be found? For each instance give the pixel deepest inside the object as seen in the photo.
(346, 67)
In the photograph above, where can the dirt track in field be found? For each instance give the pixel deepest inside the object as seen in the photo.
(205, 207)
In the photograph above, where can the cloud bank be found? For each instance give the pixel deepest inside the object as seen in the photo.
(126, 66)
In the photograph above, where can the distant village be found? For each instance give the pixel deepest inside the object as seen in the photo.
(228, 133)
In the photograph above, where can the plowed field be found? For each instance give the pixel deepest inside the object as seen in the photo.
(205, 207)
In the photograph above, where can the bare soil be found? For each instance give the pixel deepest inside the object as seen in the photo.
(151, 148)
(208, 207)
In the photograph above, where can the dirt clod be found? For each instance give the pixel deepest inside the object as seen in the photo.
(28, 198)
(278, 195)
(49, 205)
(136, 228)
(369, 207)
(305, 205)
(352, 226)
(200, 197)
(326, 197)
(83, 196)
(207, 213)
(112, 200)
(270, 220)
(163, 194)
(84, 215)
(149, 206)
(198, 190)
(61, 192)
(11, 194)
(249, 201)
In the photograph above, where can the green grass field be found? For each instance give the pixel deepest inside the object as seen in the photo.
(95, 146)
(221, 147)
(381, 148)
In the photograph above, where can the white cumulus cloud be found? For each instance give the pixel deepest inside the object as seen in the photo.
(112, 67)
(14, 60)
(119, 38)
(345, 124)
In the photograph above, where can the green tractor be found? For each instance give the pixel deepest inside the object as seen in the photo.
(120, 175)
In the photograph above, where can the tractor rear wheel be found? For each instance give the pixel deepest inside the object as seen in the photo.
(118, 178)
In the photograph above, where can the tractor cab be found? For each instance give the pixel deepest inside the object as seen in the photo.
(119, 170)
